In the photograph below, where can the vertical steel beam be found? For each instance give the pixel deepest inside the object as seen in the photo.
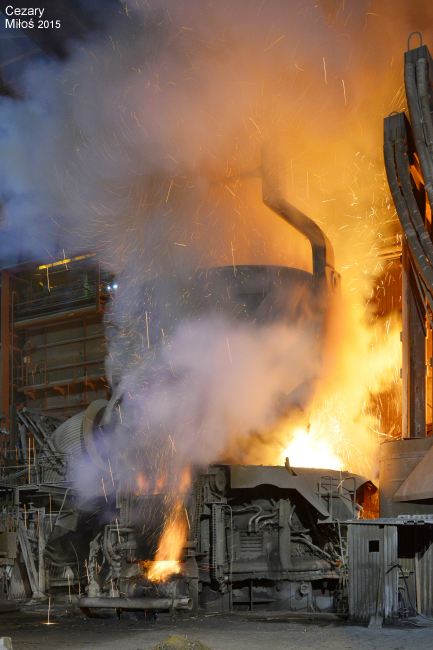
(414, 355)
(405, 410)
(98, 288)
(41, 554)
(5, 345)
(417, 363)
(13, 429)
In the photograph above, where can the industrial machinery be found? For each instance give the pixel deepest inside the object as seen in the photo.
(258, 537)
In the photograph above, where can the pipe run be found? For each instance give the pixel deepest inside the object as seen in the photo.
(84, 602)
(293, 564)
(418, 253)
(325, 279)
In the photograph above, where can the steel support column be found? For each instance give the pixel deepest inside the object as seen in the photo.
(417, 361)
(414, 355)
(41, 554)
(405, 409)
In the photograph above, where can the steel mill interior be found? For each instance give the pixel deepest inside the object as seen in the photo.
(216, 321)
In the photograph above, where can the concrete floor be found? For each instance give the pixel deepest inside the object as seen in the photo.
(236, 632)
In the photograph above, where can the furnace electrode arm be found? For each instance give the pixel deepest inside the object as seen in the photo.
(395, 131)
(411, 144)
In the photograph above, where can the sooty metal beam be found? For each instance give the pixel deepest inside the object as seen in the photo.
(417, 274)
(413, 340)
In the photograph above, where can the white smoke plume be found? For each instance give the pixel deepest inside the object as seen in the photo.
(213, 381)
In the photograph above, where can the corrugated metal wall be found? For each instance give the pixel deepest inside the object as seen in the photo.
(407, 583)
(424, 572)
(415, 550)
(372, 552)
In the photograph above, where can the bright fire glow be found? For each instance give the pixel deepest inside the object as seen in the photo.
(306, 450)
(324, 444)
(168, 555)
(343, 427)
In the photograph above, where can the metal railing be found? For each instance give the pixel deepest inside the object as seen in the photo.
(331, 487)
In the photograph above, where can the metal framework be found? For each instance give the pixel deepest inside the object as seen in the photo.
(408, 153)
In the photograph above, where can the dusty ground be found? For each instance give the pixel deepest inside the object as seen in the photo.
(237, 632)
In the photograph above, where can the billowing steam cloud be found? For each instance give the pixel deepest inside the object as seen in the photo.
(135, 147)
(214, 381)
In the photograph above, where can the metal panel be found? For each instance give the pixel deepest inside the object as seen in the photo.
(249, 476)
(397, 460)
(372, 553)
(389, 574)
(18, 581)
(419, 484)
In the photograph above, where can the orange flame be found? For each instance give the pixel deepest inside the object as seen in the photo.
(325, 443)
(185, 480)
(160, 484)
(142, 484)
(344, 429)
(168, 555)
(305, 450)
